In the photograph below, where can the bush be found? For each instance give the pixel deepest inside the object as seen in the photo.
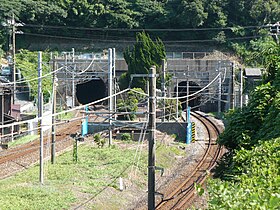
(99, 141)
(126, 137)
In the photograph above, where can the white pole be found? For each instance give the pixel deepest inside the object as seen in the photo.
(40, 114)
(241, 88)
(110, 80)
(73, 78)
(219, 89)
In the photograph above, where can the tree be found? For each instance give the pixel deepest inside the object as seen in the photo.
(130, 104)
(140, 58)
(191, 13)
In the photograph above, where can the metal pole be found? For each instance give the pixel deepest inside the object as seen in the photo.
(65, 79)
(110, 93)
(40, 113)
(151, 130)
(241, 88)
(177, 102)
(53, 113)
(114, 82)
(187, 101)
(73, 78)
(219, 89)
(163, 87)
(2, 110)
(14, 57)
(232, 97)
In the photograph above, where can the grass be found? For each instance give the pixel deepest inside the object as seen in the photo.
(22, 140)
(68, 184)
(66, 116)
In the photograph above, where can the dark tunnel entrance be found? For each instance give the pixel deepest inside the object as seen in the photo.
(91, 91)
(194, 101)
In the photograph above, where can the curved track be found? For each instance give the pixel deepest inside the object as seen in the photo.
(181, 196)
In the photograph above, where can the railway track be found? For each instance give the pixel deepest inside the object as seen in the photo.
(181, 195)
(21, 157)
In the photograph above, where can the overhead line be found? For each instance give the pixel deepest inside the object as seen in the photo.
(141, 29)
(133, 41)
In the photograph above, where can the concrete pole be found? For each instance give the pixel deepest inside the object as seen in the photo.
(73, 78)
(187, 99)
(241, 88)
(14, 58)
(219, 89)
(2, 111)
(65, 80)
(114, 81)
(53, 113)
(40, 114)
(110, 90)
(177, 101)
(232, 101)
(151, 130)
(163, 86)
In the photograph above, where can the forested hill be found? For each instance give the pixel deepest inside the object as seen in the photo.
(118, 19)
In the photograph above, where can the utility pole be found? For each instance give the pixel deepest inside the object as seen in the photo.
(53, 112)
(177, 101)
(110, 87)
(241, 88)
(151, 130)
(65, 80)
(40, 114)
(14, 57)
(219, 88)
(187, 99)
(233, 102)
(114, 82)
(163, 90)
(73, 78)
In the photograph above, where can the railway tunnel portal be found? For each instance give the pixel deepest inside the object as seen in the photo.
(89, 80)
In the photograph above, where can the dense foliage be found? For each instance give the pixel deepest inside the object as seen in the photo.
(255, 180)
(144, 54)
(27, 63)
(38, 15)
(249, 174)
(130, 103)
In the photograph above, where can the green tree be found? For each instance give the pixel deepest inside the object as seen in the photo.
(130, 103)
(141, 57)
(27, 62)
(191, 13)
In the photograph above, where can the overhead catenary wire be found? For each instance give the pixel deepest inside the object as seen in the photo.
(142, 29)
(69, 110)
(133, 41)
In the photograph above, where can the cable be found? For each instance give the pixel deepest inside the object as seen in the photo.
(133, 41)
(69, 110)
(193, 94)
(141, 29)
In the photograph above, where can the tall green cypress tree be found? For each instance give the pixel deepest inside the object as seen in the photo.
(144, 54)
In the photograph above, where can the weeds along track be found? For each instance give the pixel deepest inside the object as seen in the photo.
(21, 157)
(179, 195)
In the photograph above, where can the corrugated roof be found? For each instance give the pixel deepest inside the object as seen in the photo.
(253, 72)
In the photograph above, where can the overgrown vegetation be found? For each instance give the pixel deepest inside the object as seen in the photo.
(237, 14)
(130, 103)
(249, 175)
(27, 63)
(23, 140)
(68, 184)
(144, 54)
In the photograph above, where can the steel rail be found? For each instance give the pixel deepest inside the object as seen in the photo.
(183, 193)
